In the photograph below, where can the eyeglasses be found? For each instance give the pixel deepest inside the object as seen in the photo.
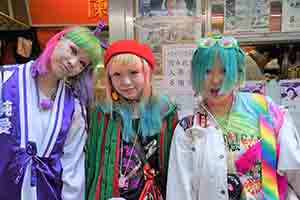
(224, 42)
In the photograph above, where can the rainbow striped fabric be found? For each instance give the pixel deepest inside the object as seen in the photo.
(269, 161)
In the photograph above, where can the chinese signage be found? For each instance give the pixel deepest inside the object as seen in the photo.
(5, 114)
(67, 12)
(98, 8)
(176, 63)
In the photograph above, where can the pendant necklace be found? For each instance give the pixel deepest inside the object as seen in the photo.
(44, 103)
(230, 154)
(123, 179)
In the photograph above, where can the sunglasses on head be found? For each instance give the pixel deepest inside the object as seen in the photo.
(224, 42)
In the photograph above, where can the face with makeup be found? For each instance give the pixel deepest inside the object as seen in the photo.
(128, 79)
(68, 59)
(213, 84)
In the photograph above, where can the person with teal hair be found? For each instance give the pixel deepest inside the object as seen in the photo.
(236, 145)
(131, 131)
(43, 120)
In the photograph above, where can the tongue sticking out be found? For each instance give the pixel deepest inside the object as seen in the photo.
(215, 92)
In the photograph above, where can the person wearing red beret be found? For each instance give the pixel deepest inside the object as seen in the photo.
(131, 132)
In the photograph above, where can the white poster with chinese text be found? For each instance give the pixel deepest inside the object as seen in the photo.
(176, 81)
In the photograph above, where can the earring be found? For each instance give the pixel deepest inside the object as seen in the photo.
(115, 96)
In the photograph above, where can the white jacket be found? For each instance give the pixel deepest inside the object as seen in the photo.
(198, 167)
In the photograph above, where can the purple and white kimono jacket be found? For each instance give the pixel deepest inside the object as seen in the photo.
(41, 151)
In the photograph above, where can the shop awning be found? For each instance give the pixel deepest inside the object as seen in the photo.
(8, 23)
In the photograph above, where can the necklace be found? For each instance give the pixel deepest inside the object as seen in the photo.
(228, 138)
(123, 179)
(45, 103)
(231, 155)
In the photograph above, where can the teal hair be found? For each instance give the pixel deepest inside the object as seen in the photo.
(232, 59)
(87, 41)
(150, 116)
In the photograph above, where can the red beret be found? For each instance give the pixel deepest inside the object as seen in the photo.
(131, 47)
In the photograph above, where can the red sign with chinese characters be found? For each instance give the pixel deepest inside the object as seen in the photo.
(67, 12)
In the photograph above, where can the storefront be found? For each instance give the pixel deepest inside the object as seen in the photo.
(268, 31)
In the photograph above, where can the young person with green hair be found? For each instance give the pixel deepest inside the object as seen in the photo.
(237, 145)
(43, 119)
(128, 145)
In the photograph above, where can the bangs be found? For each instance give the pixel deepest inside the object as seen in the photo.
(126, 59)
(231, 59)
(228, 58)
(87, 41)
(202, 61)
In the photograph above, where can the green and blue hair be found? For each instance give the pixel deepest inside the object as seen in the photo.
(231, 57)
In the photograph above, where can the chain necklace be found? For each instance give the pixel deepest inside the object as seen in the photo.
(231, 155)
(123, 179)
